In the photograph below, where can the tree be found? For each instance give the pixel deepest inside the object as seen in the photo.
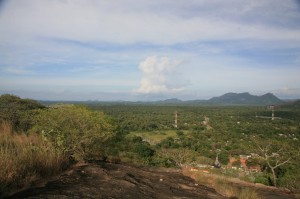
(275, 154)
(18, 111)
(179, 156)
(75, 130)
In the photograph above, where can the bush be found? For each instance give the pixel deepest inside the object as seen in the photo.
(76, 131)
(178, 156)
(179, 133)
(144, 150)
(262, 179)
(163, 162)
(17, 111)
(291, 180)
(224, 158)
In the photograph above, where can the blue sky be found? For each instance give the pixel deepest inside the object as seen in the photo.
(149, 50)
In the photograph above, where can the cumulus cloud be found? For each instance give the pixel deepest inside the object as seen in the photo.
(160, 75)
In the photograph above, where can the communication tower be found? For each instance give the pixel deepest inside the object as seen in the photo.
(273, 114)
(176, 120)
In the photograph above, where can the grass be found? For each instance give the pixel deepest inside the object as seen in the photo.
(24, 159)
(227, 189)
(223, 186)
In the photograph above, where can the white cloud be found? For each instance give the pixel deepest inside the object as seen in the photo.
(160, 75)
(96, 45)
(166, 22)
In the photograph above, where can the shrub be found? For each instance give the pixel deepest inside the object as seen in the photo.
(262, 179)
(179, 133)
(144, 150)
(17, 111)
(291, 180)
(75, 131)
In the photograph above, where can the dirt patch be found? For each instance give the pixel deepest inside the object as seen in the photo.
(120, 181)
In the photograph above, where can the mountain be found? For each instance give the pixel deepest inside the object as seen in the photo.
(269, 98)
(245, 99)
(170, 101)
(226, 99)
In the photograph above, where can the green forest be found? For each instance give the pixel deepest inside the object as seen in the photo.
(39, 140)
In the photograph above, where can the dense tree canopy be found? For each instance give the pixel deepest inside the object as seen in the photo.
(229, 130)
(17, 111)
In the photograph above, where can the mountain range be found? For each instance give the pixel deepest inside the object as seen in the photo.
(245, 98)
(223, 100)
(230, 99)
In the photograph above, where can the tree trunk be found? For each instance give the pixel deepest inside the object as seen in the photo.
(274, 177)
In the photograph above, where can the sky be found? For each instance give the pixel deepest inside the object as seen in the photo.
(112, 50)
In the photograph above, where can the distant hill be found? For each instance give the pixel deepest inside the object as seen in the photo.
(170, 101)
(226, 99)
(245, 99)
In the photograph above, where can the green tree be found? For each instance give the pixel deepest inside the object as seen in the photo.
(75, 130)
(276, 154)
(18, 111)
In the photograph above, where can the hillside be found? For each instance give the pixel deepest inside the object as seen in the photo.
(107, 180)
(120, 181)
(227, 99)
(245, 99)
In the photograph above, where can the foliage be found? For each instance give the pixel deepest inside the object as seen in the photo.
(291, 179)
(224, 186)
(144, 150)
(17, 111)
(276, 154)
(25, 158)
(233, 129)
(223, 158)
(179, 156)
(75, 131)
(262, 178)
(145, 133)
(180, 133)
(236, 163)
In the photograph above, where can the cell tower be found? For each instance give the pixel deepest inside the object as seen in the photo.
(176, 120)
(273, 115)
(217, 164)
